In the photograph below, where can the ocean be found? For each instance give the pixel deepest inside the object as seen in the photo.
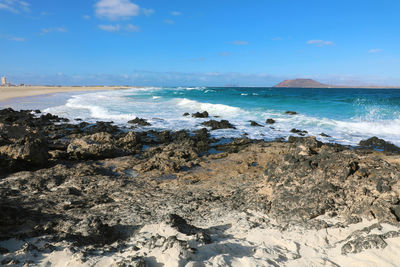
(346, 115)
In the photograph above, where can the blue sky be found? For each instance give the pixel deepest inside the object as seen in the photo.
(192, 42)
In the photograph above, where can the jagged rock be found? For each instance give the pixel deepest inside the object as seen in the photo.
(253, 123)
(182, 226)
(92, 231)
(376, 143)
(173, 157)
(203, 114)
(363, 243)
(223, 124)
(23, 155)
(314, 179)
(140, 122)
(270, 121)
(299, 132)
(86, 148)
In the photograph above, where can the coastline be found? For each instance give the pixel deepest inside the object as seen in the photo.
(177, 198)
(7, 93)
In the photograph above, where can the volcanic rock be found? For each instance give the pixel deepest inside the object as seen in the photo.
(223, 124)
(139, 122)
(203, 114)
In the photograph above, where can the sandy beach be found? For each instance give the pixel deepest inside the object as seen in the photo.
(24, 91)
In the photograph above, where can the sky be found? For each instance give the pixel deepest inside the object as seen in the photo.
(204, 43)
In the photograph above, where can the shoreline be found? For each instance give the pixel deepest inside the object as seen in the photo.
(7, 93)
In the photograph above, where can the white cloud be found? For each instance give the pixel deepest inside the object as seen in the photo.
(148, 11)
(49, 30)
(375, 50)
(110, 28)
(240, 42)
(117, 28)
(15, 6)
(132, 28)
(17, 39)
(12, 38)
(116, 9)
(169, 21)
(86, 17)
(176, 13)
(320, 43)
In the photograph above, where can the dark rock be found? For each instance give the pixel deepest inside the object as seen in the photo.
(92, 231)
(299, 132)
(186, 114)
(253, 123)
(4, 250)
(313, 179)
(139, 121)
(93, 147)
(291, 112)
(223, 124)
(363, 243)
(396, 212)
(376, 143)
(203, 114)
(324, 135)
(182, 226)
(270, 121)
(24, 154)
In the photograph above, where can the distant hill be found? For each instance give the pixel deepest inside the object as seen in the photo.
(301, 83)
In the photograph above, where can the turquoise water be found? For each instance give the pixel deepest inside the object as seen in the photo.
(347, 115)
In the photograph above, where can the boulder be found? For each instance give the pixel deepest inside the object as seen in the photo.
(203, 114)
(139, 122)
(299, 132)
(86, 148)
(377, 143)
(270, 121)
(254, 124)
(24, 154)
(223, 124)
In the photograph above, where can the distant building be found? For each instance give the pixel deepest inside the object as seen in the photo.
(3, 81)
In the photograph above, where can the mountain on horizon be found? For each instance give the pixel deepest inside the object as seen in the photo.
(301, 83)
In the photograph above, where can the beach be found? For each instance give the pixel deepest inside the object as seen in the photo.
(77, 193)
(25, 91)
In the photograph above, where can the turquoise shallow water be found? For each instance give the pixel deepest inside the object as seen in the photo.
(347, 115)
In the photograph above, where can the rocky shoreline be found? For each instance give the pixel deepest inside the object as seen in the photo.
(97, 194)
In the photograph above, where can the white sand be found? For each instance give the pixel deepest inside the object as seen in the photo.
(241, 239)
(23, 91)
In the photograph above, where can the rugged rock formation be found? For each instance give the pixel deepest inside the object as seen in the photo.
(203, 114)
(96, 188)
(223, 124)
